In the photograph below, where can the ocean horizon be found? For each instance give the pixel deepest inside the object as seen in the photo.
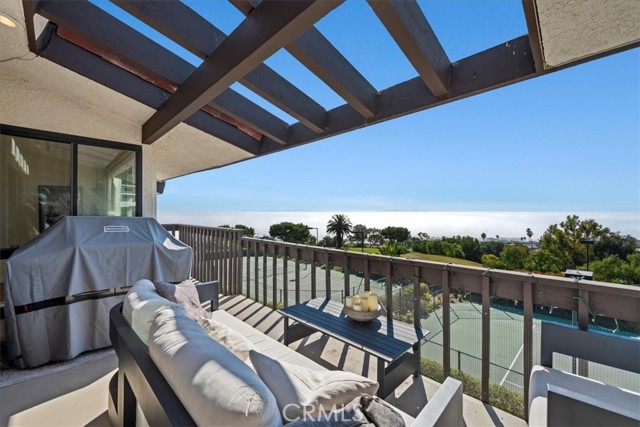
(436, 224)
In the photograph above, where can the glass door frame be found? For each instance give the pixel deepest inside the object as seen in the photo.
(75, 142)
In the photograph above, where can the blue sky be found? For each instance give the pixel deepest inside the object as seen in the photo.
(568, 141)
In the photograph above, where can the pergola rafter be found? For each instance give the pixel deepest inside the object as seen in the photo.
(270, 26)
(190, 30)
(317, 53)
(410, 29)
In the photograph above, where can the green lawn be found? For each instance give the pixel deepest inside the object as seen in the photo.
(441, 258)
(418, 255)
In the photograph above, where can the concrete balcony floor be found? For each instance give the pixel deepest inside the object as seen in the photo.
(78, 396)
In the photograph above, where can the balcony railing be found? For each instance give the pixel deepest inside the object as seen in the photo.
(279, 274)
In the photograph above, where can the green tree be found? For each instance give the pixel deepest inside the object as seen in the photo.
(530, 235)
(513, 257)
(542, 261)
(614, 244)
(248, 231)
(615, 270)
(491, 261)
(290, 232)
(359, 234)
(484, 236)
(563, 240)
(375, 237)
(340, 226)
(398, 234)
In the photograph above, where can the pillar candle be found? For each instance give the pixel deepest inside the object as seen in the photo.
(373, 302)
(357, 307)
(364, 301)
(356, 299)
(367, 293)
(348, 301)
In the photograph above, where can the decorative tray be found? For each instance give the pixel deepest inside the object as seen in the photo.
(362, 316)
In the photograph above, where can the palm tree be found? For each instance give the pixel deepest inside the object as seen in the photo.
(340, 225)
(484, 236)
(530, 235)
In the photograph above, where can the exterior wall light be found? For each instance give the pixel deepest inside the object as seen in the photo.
(5, 20)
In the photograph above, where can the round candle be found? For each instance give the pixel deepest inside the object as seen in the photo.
(356, 299)
(373, 302)
(348, 301)
(364, 301)
(357, 307)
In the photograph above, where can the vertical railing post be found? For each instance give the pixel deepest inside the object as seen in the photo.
(367, 273)
(416, 297)
(527, 345)
(583, 323)
(264, 274)
(446, 323)
(285, 276)
(346, 267)
(239, 259)
(389, 289)
(313, 273)
(327, 275)
(486, 335)
(297, 272)
(248, 270)
(256, 271)
(274, 272)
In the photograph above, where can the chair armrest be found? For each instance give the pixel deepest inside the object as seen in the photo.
(209, 291)
(444, 408)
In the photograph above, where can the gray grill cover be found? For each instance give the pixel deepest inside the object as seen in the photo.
(78, 255)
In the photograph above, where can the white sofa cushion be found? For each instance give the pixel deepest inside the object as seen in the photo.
(301, 391)
(613, 398)
(231, 339)
(265, 344)
(215, 386)
(141, 305)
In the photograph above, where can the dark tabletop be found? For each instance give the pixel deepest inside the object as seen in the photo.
(382, 338)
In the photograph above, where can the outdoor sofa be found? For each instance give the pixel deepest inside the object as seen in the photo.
(171, 372)
(558, 398)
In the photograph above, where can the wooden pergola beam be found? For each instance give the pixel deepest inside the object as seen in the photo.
(270, 26)
(190, 30)
(499, 66)
(85, 63)
(410, 29)
(29, 7)
(163, 66)
(317, 53)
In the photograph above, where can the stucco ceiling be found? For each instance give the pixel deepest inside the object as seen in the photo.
(78, 90)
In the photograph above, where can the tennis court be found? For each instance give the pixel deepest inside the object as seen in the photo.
(507, 329)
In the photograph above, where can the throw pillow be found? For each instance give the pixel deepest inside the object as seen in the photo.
(185, 294)
(301, 391)
(232, 340)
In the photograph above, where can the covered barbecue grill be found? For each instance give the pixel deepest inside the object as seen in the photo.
(60, 286)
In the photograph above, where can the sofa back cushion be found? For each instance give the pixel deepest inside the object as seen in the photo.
(215, 386)
(141, 305)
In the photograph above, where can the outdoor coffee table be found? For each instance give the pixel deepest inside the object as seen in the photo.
(389, 341)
